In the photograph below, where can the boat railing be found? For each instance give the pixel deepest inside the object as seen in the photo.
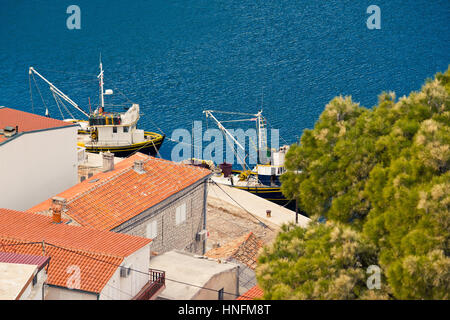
(111, 142)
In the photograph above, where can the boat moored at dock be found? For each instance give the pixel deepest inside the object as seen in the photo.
(105, 131)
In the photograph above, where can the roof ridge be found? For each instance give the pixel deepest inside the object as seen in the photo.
(102, 183)
(64, 247)
(98, 185)
(179, 164)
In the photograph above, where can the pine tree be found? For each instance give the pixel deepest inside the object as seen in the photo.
(380, 177)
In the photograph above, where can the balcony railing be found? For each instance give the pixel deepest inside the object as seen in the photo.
(156, 283)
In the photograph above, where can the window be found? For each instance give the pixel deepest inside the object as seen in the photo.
(180, 214)
(125, 129)
(114, 129)
(152, 230)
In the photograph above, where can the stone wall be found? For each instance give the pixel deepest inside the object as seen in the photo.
(169, 234)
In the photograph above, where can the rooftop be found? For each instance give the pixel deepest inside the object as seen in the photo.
(254, 293)
(27, 122)
(185, 267)
(14, 277)
(244, 249)
(11, 257)
(108, 199)
(96, 253)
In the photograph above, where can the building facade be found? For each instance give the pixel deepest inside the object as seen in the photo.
(196, 277)
(175, 223)
(141, 196)
(85, 264)
(38, 158)
(23, 277)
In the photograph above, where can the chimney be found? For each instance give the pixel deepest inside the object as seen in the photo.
(58, 206)
(139, 166)
(108, 161)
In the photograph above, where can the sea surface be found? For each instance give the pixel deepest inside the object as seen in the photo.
(176, 57)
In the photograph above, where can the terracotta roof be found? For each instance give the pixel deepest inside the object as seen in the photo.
(254, 293)
(244, 249)
(27, 122)
(108, 199)
(96, 253)
(11, 257)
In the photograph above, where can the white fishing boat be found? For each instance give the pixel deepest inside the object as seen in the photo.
(263, 179)
(104, 131)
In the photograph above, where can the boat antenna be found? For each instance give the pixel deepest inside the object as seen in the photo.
(262, 98)
(100, 76)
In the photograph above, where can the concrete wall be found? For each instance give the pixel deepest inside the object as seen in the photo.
(171, 235)
(36, 166)
(39, 290)
(59, 293)
(228, 280)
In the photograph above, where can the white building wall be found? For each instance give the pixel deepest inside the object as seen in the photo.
(119, 288)
(36, 166)
(37, 291)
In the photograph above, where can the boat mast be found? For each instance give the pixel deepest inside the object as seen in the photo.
(262, 138)
(57, 91)
(102, 99)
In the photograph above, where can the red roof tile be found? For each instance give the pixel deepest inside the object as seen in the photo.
(28, 121)
(109, 199)
(244, 249)
(254, 293)
(96, 253)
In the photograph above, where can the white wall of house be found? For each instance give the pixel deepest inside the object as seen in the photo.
(35, 166)
(126, 288)
(36, 291)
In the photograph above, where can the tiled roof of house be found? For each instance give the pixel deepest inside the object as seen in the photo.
(109, 199)
(254, 293)
(244, 249)
(11, 257)
(96, 253)
(27, 122)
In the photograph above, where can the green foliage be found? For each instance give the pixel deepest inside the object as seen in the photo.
(324, 261)
(381, 178)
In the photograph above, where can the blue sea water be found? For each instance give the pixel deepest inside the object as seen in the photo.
(176, 58)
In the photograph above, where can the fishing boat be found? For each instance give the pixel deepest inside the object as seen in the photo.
(104, 131)
(263, 179)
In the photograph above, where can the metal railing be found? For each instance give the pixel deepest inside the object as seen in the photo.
(157, 281)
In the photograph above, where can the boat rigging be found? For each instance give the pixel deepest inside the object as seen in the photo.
(103, 131)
